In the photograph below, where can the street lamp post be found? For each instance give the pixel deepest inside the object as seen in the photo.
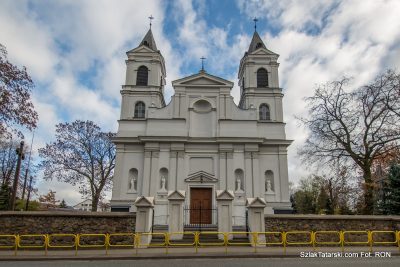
(21, 156)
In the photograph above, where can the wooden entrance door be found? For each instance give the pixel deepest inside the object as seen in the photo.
(200, 205)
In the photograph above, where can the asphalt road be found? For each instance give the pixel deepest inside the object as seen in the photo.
(238, 262)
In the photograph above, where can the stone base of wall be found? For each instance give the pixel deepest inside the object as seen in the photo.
(288, 223)
(330, 222)
(54, 222)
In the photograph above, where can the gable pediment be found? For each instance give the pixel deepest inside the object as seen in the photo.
(141, 49)
(263, 51)
(144, 201)
(202, 78)
(176, 195)
(224, 194)
(201, 177)
(256, 202)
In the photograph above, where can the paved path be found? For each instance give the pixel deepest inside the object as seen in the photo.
(189, 252)
(247, 262)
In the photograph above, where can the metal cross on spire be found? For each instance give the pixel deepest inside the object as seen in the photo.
(255, 23)
(151, 18)
(202, 63)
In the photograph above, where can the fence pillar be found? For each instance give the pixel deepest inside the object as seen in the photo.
(224, 206)
(256, 218)
(175, 213)
(144, 217)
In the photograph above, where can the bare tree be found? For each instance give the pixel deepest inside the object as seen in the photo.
(357, 127)
(16, 107)
(81, 155)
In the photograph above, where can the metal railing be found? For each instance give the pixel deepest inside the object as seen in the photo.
(197, 240)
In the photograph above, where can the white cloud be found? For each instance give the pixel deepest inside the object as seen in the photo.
(323, 41)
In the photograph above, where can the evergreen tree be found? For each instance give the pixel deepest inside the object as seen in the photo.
(5, 191)
(391, 192)
(63, 204)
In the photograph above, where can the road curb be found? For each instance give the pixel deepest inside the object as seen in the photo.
(152, 257)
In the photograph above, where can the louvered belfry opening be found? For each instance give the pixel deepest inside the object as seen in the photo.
(262, 78)
(264, 112)
(142, 76)
(140, 109)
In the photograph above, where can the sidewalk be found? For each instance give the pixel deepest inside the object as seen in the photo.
(180, 253)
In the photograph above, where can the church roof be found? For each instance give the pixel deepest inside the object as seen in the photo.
(148, 41)
(256, 42)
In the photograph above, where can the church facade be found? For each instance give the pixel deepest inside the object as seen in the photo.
(201, 142)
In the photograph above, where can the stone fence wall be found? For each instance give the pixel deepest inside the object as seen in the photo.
(287, 223)
(282, 222)
(49, 222)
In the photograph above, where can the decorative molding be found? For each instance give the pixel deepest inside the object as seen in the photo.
(201, 177)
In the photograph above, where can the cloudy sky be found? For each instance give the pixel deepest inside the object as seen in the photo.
(75, 51)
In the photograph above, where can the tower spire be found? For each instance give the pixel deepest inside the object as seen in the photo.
(255, 23)
(151, 18)
(202, 63)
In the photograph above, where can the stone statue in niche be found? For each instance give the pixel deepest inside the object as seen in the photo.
(238, 184)
(268, 186)
(163, 184)
(132, 184)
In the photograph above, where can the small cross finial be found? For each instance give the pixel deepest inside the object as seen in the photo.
(202, 63)
(255, 23)
(151, 18)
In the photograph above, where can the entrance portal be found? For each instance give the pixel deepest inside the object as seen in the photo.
(200, 205)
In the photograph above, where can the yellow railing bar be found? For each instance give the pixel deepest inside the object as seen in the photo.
(228, 242)
(316, 242)
(383, 242)
(309, 242)
(60, 246)
(163, 244)
(14, 241)
(104, 244)
(43, 245)
(132, 235)
(356, 242)
(270, 243)
(222, 243)
(173, 244)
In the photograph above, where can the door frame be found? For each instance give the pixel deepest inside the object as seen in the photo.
(213, 200)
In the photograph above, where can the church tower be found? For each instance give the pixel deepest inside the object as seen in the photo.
(145, 80)
(259, 82)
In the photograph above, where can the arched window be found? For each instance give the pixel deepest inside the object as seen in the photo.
(262, 78)
(142, 75)
(258, 45)
(264, 112)
(146, 43)
(140, 109)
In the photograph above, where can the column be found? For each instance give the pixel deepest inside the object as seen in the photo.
(172, 179)
(146, 173)
(176, 199)
(155, 174)
(144, 218)
(181, 169)
(248, 174)
(224, 206)
(222, 170)
(256, 220)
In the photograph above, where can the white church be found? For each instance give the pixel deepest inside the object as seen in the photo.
(201, 146)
